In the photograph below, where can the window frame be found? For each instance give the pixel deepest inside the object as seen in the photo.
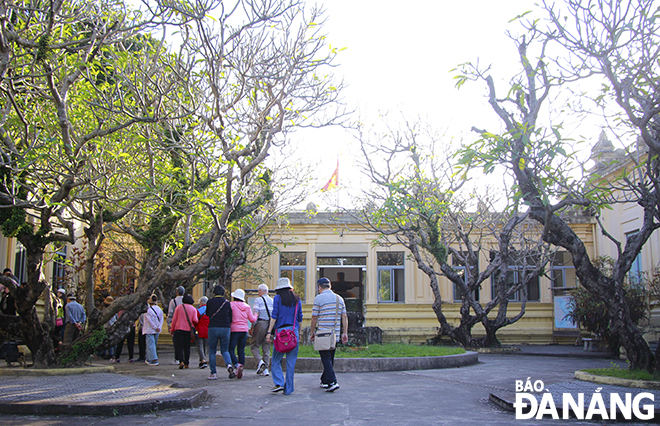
(301, 289)
(393, 271)
(457, 266)
(59, 268)
(561, 268)
(515, 297)
(20, 262)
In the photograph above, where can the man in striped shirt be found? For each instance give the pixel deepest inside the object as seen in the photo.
(327, 311)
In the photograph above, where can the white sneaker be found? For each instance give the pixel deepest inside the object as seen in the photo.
(261, 367)
(266, 373)
(175, 362)
(230, 369)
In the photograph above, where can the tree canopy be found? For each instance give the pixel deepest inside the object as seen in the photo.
(417, 200)
(616, 44)
(110, 122)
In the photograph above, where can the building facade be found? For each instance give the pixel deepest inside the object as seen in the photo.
(624, 219)
(384, 283)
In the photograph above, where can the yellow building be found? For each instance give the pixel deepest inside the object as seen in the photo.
(392, 292)
(625, 217)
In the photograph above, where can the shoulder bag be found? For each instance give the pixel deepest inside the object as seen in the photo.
(324, 338)
(214, 313)
(286, 340)
(193, 331)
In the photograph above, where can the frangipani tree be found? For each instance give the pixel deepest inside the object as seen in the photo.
(416, 202)
(617, 44)
(60, 102)
(125, 133)
(257, 71)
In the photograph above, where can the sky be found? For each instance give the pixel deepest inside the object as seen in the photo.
(397, 61)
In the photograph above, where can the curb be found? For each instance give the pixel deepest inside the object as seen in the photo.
(55, 371)
(616, 381)
(503, 402)
(185, 400)
(587, 355)
(498, 351)
(356, 365)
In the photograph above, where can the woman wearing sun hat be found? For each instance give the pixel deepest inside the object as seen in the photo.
(287, 313)
(241, 314)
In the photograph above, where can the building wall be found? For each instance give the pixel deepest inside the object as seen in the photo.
(9, 250)
(619, 221)
(623, 219)
(626, 215)
(412, 320)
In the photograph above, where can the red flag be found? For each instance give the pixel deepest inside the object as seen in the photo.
(334, 180)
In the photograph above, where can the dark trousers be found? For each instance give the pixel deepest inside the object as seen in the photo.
(237, 339)
(142, 345)
(328, 360)
(8, 305)
(71, 333)
(182, 348)
(130, 343)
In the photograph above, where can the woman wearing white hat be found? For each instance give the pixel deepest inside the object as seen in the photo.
(287, 314)
(241, 314)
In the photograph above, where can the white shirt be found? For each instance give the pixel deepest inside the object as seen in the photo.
(259, 308)
(153, 320)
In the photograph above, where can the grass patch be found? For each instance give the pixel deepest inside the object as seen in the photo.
(384, 351)
(623, 373)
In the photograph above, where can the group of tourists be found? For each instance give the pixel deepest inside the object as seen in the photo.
(228, 324)
(216, 321)
(270, 322)
(270, 318)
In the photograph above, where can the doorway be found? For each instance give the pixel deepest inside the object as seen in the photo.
(347, 275)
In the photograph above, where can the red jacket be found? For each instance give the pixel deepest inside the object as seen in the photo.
(203, 325)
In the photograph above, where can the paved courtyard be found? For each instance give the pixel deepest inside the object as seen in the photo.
(424, 397)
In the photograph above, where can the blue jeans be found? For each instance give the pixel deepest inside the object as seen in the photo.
(237, 338)
(218, 334)
(328, 360)
(152, 339)
(276, 366)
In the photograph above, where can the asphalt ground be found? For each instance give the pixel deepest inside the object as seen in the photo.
(456, 396)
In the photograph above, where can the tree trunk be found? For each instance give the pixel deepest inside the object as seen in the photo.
(463, 335)
(490, 340)
(94, 239)
(37, 337)
(35, 334)
(638, 352)
(611, 292)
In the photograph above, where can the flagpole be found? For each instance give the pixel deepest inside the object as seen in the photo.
(337, 191)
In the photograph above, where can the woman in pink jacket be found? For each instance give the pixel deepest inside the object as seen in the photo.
(241, 314)
(185, 318)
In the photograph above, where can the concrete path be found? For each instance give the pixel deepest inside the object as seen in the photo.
(458, 396)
